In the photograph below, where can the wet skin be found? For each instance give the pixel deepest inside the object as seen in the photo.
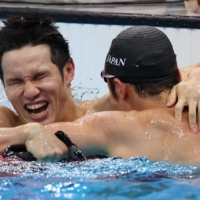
(34, 86)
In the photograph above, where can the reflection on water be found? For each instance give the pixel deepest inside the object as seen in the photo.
(110, 178)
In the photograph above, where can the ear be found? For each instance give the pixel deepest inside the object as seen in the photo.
(68, 71)
(121, 89)
(179, 75)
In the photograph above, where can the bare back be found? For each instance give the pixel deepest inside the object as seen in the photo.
(153, 133)
(156, 134)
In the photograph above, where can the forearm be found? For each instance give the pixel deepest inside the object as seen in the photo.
(11, 136)
(43, 145)
(87, 133)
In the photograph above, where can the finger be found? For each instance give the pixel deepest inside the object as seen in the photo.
(192, 116)
(55, 155)
(59, 155)
(47, 156)
(179, 109)
(171, 99)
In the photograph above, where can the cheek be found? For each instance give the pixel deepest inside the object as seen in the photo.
(12, 95)
(54, 89)
(50, 85)
(13, 98)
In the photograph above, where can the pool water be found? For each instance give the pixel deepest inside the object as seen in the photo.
(110, 178)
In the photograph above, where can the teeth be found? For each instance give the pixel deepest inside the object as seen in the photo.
(37, 114)
(36, 106)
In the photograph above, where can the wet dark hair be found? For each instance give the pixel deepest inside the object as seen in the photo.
(32, 29)
(152, 89)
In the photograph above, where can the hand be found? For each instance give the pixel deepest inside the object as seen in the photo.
(188, 94)
(44, 145)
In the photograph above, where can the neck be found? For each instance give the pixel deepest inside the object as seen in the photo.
(138, 103)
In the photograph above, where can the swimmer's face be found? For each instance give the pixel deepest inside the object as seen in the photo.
(34, 86)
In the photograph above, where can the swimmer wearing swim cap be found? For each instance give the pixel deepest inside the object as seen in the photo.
(128, 60)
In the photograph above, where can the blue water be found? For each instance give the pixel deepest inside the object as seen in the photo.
(110, 178)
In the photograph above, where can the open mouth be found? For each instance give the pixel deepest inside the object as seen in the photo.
(38, 108)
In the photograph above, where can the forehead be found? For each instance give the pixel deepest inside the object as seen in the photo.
(27, 58)
(27, 53)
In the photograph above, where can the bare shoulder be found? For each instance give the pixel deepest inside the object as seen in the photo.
(95, 105)
(111, 119)
(102, 104)
(8, 118)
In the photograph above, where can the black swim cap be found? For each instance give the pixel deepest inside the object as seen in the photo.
(141, 54)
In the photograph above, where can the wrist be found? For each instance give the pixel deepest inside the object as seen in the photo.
(28, 131)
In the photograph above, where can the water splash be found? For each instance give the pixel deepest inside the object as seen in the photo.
(110, 178)
(115, 167)
(84, 93)
(78, 93)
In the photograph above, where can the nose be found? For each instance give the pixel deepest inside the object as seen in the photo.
(31, 91)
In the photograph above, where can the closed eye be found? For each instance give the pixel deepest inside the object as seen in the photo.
(14, 81)
(40, 76)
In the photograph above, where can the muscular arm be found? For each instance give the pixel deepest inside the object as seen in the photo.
(104, 133)
(44, 145)
(97, 134)
(89, 133)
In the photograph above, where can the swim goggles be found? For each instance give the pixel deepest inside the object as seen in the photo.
(105, 76)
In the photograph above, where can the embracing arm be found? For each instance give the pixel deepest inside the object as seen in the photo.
(97, 134)
(42, 143)
(108, 133)
(188, 94)
(88, 133)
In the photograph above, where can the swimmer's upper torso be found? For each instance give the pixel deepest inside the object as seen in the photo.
(153, 133)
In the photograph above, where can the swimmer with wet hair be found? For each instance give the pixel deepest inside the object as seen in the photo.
(36, 70)
(143, 125)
